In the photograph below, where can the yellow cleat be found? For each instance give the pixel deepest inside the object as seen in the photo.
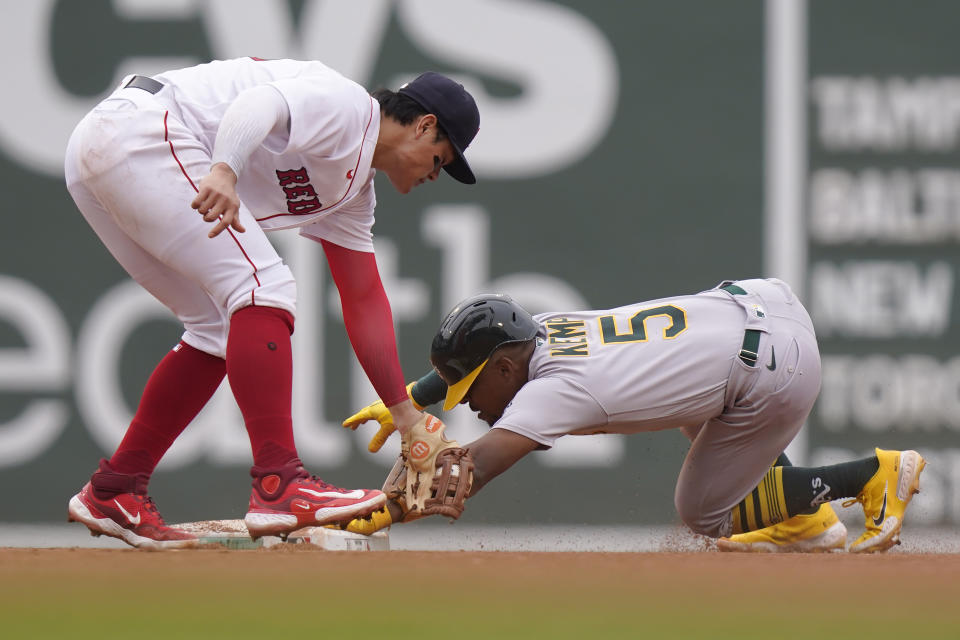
(814, 533)
(885, 498)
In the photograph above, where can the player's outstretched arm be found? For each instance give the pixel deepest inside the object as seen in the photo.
(369, 323)
(495, 452)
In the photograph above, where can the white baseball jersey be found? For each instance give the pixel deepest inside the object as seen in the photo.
(133, 164)
(324, 165)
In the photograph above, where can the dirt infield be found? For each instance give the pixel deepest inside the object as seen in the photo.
(214, 593)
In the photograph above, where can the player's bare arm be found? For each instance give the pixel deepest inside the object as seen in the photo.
(217, 199)
(495, 452)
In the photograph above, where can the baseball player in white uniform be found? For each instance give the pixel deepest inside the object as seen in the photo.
(180, 175)
(736, 368)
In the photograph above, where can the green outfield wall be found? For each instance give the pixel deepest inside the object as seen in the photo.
(627, 151)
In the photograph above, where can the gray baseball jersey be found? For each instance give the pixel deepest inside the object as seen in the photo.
(737, 369)
(651, 365)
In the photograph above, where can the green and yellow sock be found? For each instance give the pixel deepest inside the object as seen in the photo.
(763, 506)
(786, 491)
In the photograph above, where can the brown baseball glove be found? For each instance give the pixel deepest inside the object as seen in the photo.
(432, 475)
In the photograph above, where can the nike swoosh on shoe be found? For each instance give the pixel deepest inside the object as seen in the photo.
(356, 494)
(883, 509)
(134, 521)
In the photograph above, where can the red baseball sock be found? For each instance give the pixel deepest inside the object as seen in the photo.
(177, 390)
(260, 370)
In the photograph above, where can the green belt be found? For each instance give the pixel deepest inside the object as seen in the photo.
(751, 337)
(751, 344)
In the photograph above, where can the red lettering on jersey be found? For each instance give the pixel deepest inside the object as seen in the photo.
(301, 196)
(292, 176)
(294, 193)
(303, 206)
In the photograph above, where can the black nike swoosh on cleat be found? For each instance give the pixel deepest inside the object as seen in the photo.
(773, 359)
(883, 509)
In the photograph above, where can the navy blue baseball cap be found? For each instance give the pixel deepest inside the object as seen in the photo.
(456, 112)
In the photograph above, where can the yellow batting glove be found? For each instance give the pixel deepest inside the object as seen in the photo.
(410, 395)
(371, 524)
(376, 411)
(379, 412)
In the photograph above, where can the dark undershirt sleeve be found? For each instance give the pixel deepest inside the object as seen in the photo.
(429, 389)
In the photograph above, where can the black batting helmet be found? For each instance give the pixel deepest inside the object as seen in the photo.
(470, 333)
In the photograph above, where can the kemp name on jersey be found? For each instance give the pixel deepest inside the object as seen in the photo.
(652, 365)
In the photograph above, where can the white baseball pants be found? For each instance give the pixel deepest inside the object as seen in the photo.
(132, 169)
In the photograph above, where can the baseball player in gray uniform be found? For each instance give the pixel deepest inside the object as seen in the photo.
(736, 368)
(181, 175)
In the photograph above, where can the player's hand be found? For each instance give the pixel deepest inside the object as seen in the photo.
(379, 412)
(217, 198)
(376, 411)
(380, 519)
